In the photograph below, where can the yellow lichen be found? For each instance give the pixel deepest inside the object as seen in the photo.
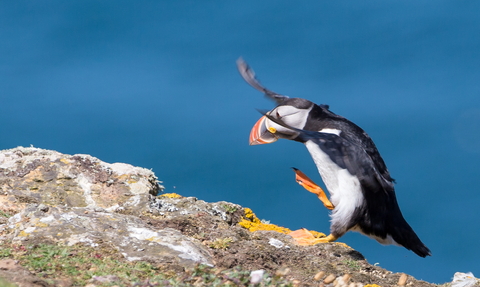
(23, 234)
(171, 195)
(372, 285)
(123, 177)
(112, 218)
(41, 224)
(252, 223)
(251, 216)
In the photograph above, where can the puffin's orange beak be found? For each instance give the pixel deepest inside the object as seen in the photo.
(260, 134)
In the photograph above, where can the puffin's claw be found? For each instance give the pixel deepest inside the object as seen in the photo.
(305, 237)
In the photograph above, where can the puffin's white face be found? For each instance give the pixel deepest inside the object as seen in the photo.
(266, 131)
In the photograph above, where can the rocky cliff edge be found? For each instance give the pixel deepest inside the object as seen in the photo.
(73, 220)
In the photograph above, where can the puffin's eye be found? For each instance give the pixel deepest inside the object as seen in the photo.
(278, 115)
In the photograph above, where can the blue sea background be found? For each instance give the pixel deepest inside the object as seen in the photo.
(154, 84)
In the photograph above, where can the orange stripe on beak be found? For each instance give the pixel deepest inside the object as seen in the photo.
(260, 134)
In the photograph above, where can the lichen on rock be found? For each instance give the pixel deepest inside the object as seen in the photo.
(251, 222)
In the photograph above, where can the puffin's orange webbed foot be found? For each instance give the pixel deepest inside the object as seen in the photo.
(311, 186)
(305, 237)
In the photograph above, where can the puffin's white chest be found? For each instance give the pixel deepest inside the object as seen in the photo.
(345, 189)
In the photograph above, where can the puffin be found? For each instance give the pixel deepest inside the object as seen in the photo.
(362, 193)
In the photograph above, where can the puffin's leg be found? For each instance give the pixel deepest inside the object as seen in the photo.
(311, 186)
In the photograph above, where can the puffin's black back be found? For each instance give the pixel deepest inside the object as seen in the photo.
(321, 117)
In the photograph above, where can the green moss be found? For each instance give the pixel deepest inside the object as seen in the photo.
(78, 262)
(221, 243)
(4, 214)
(4, 283)
(229, 208)
(81, 264)
(352, 264)
(5, 252)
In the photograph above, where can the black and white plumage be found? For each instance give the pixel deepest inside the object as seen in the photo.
(348, 161)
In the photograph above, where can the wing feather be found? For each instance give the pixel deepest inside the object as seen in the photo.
(249, 76)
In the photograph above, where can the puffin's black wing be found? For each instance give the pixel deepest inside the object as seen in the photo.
(350, 132)
(381, 215)
(249, 76)
(346, 154)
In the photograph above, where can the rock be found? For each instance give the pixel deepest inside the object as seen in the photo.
(127, 233)
(77, 199)
(33, 175)
(461, 279)
(256, 276)
(174, 207)
(72, 200)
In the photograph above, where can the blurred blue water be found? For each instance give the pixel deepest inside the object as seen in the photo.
(154, 84)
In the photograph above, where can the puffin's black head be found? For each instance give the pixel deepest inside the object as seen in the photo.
(292, 111)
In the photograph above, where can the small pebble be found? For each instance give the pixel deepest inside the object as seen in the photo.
(282, 271)
(346, 278)
(402, 281)
(330, 278)
(43, 208)
(319, 275)
(256, 276)
(342, 281)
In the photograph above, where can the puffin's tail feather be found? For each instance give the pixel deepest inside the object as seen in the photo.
(417, 246)
(404, 235)
(422, 250)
